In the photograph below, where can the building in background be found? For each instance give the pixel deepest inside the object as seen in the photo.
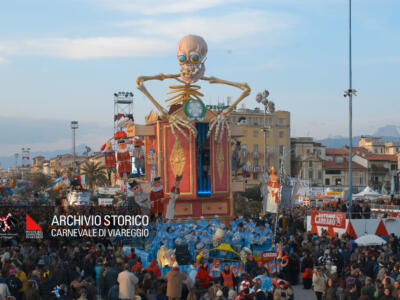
(337, 173)
(378, 146)
(307, 159)
(373, 163)
(381, 168)
(63, 164)
(37, 164)
(252, 143)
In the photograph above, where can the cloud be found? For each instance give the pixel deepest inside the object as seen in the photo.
(3, 60)
(217, 28)
(153, 7)
(95, 47)
(154, 37)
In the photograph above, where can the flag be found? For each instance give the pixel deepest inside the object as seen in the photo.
(60, 182)
(82, 179)
(57, 184)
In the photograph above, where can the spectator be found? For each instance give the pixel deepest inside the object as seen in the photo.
(175, 281)
(387, 295)
(203, 276)
(153, 267)
(227, 277)
(282, 292)
(31, 292)
(14, 283)
(319, 282)
(127, 282)
(330, 290)
(4, 290)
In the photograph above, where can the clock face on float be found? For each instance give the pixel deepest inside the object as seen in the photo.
(195, 109)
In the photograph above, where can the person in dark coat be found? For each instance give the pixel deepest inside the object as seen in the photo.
(14, 284)
(251, 266)
(110, 278)
(31, 293)
(307, 265)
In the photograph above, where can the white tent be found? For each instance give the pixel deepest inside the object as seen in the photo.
(367, 193)
(370, 240)
(364, 226)
(392, 226)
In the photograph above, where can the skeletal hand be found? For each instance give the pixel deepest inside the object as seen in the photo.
(179, 123)
(219, 124)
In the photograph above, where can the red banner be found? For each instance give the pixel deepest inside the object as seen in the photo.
(268, 255)
(328, 218)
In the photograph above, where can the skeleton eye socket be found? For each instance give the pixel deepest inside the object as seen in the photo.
(182, 58)
(194, 58)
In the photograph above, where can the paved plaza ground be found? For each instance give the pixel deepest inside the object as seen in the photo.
(302, 294)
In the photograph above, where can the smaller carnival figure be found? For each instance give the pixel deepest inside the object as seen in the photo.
(140, 197)
(273, 191)
(138, 154)
(123, 160)
(110, 160)
(156, 196)
(175, 191)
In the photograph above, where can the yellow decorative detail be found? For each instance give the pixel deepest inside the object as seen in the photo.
(177, 158)
(220, 161)
(184, 93)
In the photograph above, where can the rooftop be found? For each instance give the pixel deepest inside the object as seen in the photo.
(382, 157)
(343, 165)
(336, 151)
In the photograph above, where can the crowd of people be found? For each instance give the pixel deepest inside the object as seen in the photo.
(333, 267)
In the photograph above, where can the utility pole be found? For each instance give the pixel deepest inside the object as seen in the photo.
(269, 107)
(350, 92)
(16, 160)
(74, 126)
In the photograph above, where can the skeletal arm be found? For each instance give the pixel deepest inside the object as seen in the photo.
(141, 87)
(220, 123)
(243, 86)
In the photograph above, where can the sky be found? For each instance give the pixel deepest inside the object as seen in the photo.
(63, 61)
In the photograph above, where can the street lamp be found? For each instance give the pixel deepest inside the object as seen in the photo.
(74, 126)
(269, 107)
(350, 92)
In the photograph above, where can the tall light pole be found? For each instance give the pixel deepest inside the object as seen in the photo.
(269, 107)
(350, 92)
(16, 160)
(74, 126)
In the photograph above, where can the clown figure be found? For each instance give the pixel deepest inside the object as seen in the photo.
(138, 154)
(124, 160)
(156, 196)
(141, 197)
(110, 160)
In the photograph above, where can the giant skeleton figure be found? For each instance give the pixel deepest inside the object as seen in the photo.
(191, 52)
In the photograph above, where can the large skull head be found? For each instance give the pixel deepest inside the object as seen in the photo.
(192, 51)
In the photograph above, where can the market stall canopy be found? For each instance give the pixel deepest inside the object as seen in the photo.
(370, 240)
(367, 193)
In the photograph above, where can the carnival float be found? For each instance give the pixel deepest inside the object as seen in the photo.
(187, 139)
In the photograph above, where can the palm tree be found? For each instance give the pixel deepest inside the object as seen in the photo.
(95, 173)
(41, 181)
(57, 173)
